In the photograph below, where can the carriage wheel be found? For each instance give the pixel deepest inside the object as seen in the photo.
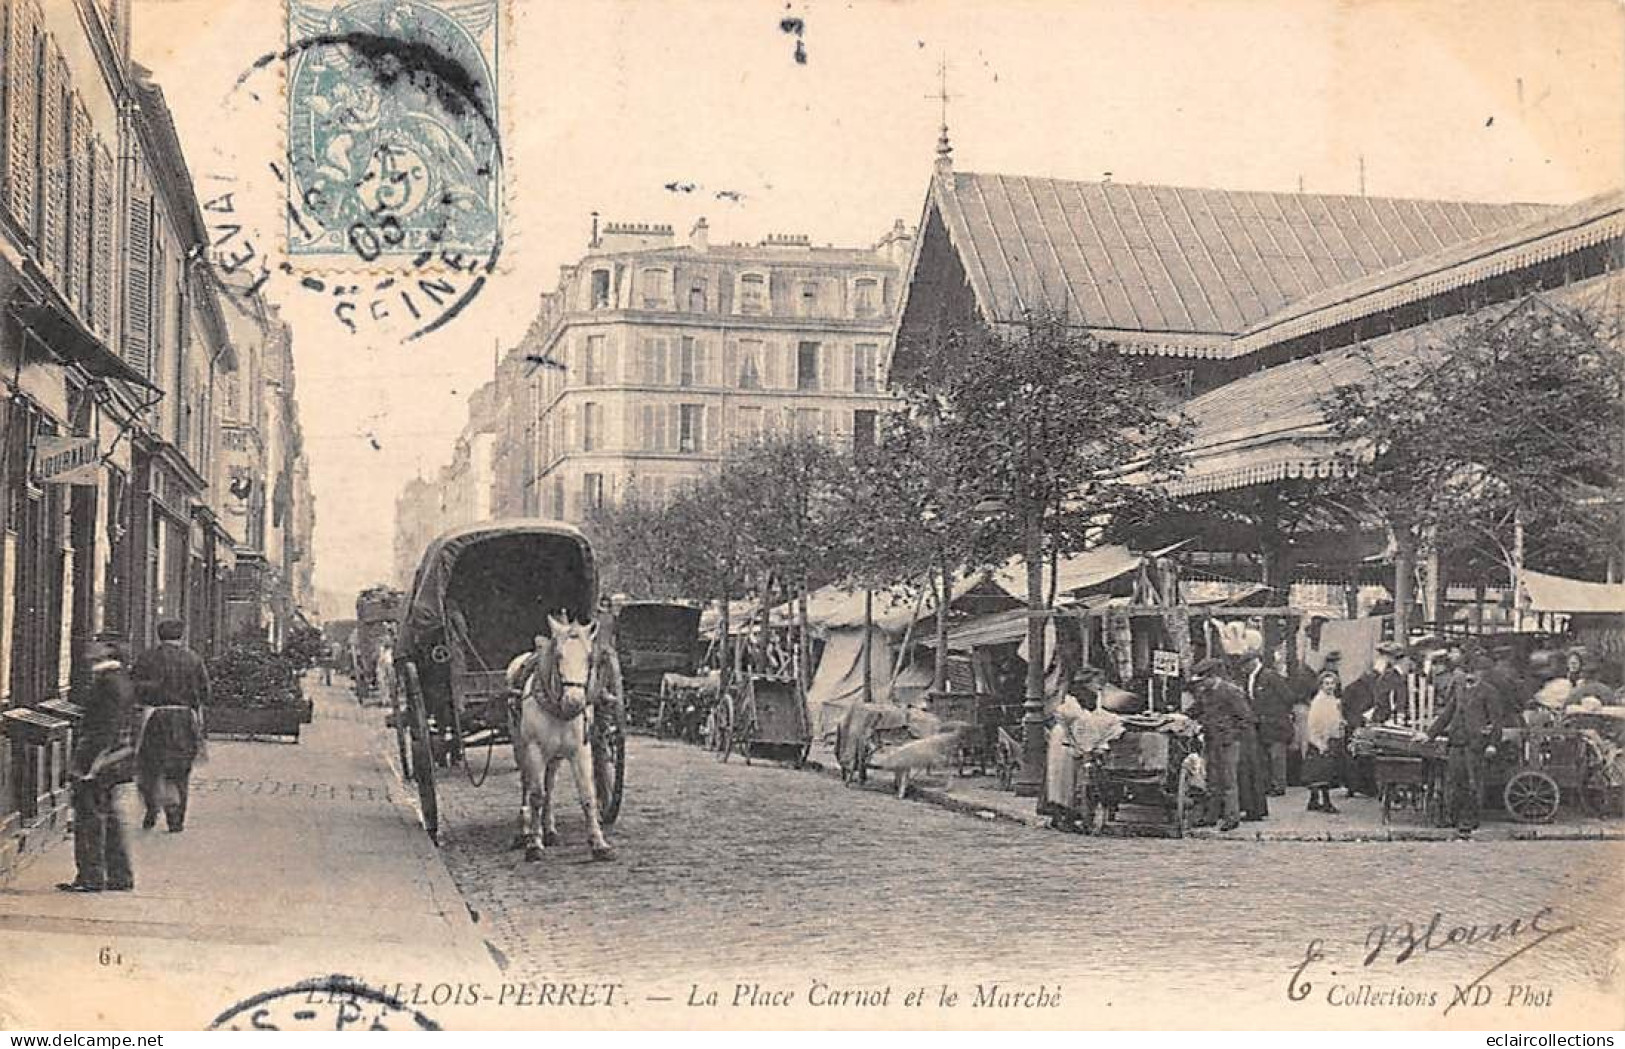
(610, 776)
(422, 752)
(402, 734)
(1531, 796)
(1184, 803)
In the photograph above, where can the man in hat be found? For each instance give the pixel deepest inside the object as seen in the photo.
(1466, 722)
(1222, 709)
(101, 753)
(1391, 692)
(1271, 698)
(173, 684)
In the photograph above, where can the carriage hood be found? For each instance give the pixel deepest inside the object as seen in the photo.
(504, 578)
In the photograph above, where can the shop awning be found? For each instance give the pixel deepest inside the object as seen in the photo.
(68, 339)
(1551, 593)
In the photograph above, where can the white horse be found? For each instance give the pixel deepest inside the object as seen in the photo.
(555, 724)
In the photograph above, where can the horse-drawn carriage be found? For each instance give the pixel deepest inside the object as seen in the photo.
(767, 718)
(654, 639)
(481, 596)
(378, 613)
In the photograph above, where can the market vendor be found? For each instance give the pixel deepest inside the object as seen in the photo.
(1221, 707)
(1081, 728)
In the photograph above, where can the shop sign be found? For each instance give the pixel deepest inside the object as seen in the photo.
(67, 460)
(1164, 663)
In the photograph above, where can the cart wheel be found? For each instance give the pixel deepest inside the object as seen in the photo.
(610, 776)
(1184, 803)
(1531, 796)
(402, 733)
(422, 756)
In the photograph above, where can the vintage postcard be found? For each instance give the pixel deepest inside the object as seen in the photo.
(903, 514)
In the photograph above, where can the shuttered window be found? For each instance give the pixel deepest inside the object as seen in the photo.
(24, 47)
(138, 338)
(81, 245)
(52, 230)
(102, 219)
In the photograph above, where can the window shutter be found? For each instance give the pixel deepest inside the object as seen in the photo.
(846, 379)
(702, 364)
(138, 293)
(22, 91)
(674, 426)
(610, 365)
(102, 230)
(730, 364)
(83, 160)
(770, 365)
(53, 158)
(657, 431)
(711, 435)
(827, 367)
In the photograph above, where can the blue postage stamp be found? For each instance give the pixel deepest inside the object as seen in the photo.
(392, 129)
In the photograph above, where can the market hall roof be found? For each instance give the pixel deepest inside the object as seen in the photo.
(1269, 425)
(1184, 265)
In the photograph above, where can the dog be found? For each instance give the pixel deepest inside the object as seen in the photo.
(921, 755)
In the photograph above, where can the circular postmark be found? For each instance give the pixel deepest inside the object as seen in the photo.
(330, 1003)
(386, 194)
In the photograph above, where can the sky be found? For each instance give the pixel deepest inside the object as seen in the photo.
(603, 103)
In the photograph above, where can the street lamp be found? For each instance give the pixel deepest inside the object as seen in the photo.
(1030, 777)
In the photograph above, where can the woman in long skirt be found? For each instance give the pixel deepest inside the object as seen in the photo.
(1323, 744)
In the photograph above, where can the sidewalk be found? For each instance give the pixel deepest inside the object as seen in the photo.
(297, 862)
(1358, 819)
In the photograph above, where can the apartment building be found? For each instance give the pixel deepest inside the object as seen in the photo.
(651, 358)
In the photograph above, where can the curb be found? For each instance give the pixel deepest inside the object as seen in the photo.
(943, 799)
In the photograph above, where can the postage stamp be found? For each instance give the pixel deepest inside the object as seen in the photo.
(392, 118)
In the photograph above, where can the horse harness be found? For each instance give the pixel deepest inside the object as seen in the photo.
(552, 691)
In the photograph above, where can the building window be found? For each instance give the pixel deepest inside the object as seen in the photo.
(685, 361)
(750, 364)
(656, 285)
(750, 425)
(807, 422)
(864, 358)
(592, 427)
(807, 366)
(652, 363)
(863, 430)
(696, 297)
(691, 428)
(592, 492)
(752, 293)
(809, 300)
(592, 361)
(600, 289)
(558, 497)
(866, 297)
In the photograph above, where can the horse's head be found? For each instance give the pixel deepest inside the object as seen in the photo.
(572, 650)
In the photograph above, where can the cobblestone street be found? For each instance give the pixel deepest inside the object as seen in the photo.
(730, 871)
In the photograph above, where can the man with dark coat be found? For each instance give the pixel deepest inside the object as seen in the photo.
(1271, 698)
(1391, 691)
(1467, 724)
(101, 755)
(173, 685)
(1222, 709)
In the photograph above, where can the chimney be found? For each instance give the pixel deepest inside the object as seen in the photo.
(593, 243)
(699, 238)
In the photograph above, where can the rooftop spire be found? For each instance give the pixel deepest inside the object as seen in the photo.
(945, 150)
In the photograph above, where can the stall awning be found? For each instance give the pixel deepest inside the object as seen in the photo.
(1551, 593)
(65, 337)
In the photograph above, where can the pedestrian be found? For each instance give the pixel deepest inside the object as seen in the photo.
(1467, 725)
(1323, 743)
(173, 685)
(1391, 692)
(102, 754)
(329, 657)
(1221, 708)
(1361, 707)
(1271, 698)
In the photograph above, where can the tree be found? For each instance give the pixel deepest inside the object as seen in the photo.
(1500, 424)
(1062, 433)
